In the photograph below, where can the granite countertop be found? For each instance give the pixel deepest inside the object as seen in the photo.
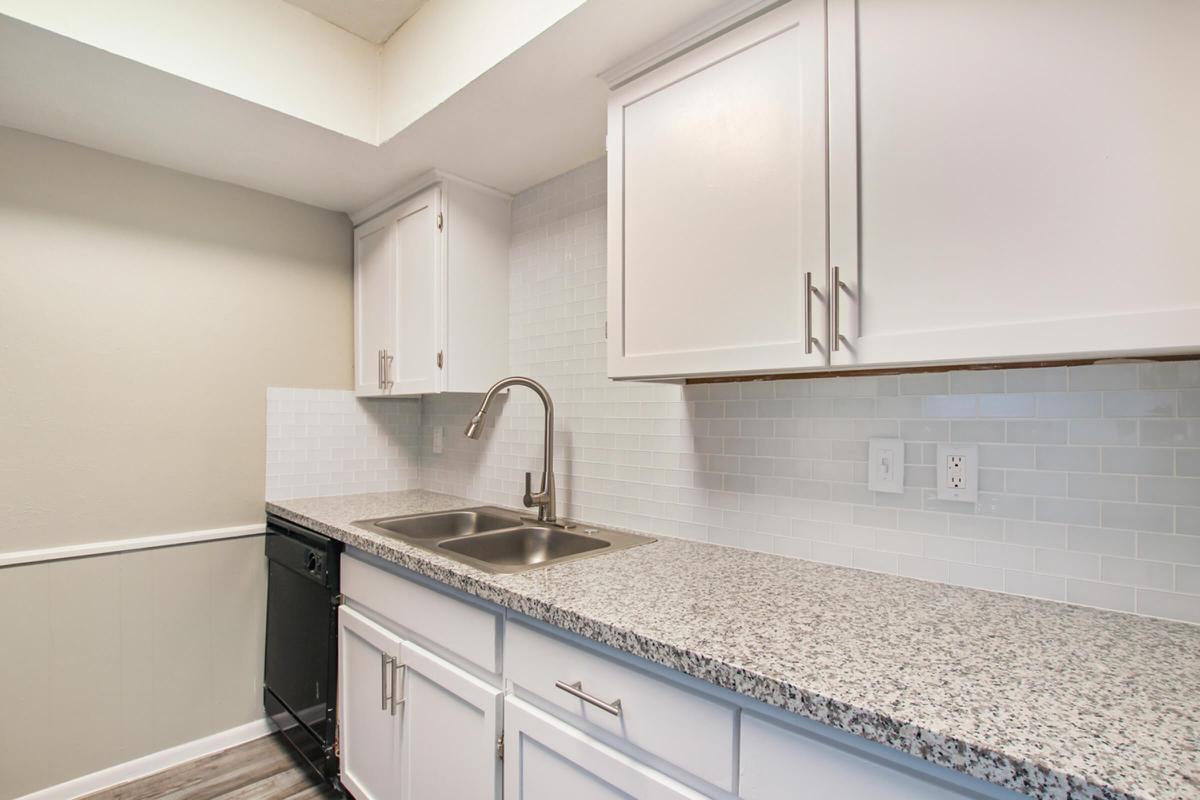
(1050, 700)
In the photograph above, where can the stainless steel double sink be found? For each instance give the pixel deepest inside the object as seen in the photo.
(496, 540)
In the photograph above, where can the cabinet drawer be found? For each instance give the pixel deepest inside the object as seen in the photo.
(458, 626)
(682, 727)
(777, 759)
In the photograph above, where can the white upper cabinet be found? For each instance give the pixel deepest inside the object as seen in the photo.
(984, 182)
(1014, 180)
(431, 291)
(716, 221)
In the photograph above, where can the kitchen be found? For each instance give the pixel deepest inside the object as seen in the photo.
(869, 360)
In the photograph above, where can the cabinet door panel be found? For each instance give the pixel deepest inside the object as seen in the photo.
(418, 279)
(451, 722)
(546, 759)
(717, 176)
(374, 304)
(1025, 176)
(779, 763)
(369, 731)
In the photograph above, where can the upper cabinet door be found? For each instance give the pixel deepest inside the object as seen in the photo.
(419, 311)
(374, 305)
(717, 224)
(1014, 180)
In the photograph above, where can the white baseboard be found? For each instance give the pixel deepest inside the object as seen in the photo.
(155, 762)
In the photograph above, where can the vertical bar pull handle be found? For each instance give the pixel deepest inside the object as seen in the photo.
(398, 675)
(379, 369)
(385, 662)
(808, 293)
(836, 291)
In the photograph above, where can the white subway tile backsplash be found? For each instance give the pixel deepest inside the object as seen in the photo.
(1176, 491)
(1101, 595)
(1101, 541)
(1050, 587)
(1139, 460)
(1189, 403)
(1103, 376)
(1072, 405)
(1169, 604)
(1175, 548)
(328, 442)
(1137, 572)
(1074, 459)
(1187, 463)
(1136, 516)
(1139, 404)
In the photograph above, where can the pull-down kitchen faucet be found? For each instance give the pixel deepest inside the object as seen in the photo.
(544, 499)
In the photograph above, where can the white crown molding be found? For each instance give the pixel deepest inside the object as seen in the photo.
(155, 762)
(410, 188)
(125, 545)
(702, 30)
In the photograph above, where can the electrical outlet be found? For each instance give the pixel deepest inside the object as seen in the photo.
(885, 465)
(957, 472)
(439, 436)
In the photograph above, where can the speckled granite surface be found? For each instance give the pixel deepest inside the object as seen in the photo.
(1051, 700)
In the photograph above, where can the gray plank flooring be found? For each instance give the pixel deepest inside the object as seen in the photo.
(264, 769)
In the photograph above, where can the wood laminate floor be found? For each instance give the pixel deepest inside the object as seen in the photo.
(265, 769)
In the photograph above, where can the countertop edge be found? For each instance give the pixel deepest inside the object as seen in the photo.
(984, 763)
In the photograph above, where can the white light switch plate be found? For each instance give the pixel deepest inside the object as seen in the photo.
(956, 471)
(885, 465)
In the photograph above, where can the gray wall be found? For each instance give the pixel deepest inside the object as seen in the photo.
(143, 313)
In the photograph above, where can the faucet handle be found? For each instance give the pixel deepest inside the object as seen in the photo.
(528, 499)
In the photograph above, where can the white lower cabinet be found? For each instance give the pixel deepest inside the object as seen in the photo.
(368, 727)
(546, 759)
(412, 725)
(579, 720)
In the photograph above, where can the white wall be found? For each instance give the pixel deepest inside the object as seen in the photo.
(1091, 475)
(449, 43)
(143, 314)
(266, 51)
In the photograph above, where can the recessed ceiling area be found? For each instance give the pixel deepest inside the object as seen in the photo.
(502, 99)
(373, 20)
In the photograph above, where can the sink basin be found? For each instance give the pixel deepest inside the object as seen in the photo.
(447, 524)
(498, 540)
(524, 547)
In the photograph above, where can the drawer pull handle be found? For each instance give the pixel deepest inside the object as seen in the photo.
(576, 690)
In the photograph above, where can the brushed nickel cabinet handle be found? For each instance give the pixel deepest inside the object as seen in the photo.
(398, 674)
(576, 690)
(808, 293)
(379, 369)
(387, 371)
(836, 291)
(385, 661)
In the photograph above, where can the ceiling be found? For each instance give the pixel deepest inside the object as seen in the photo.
(373, 20)
(537, 113)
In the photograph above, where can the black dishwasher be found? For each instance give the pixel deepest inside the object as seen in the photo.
(300, 680)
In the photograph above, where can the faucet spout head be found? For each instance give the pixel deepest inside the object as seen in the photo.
(475, 426)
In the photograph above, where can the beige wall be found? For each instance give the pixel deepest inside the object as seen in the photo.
(143, 313)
